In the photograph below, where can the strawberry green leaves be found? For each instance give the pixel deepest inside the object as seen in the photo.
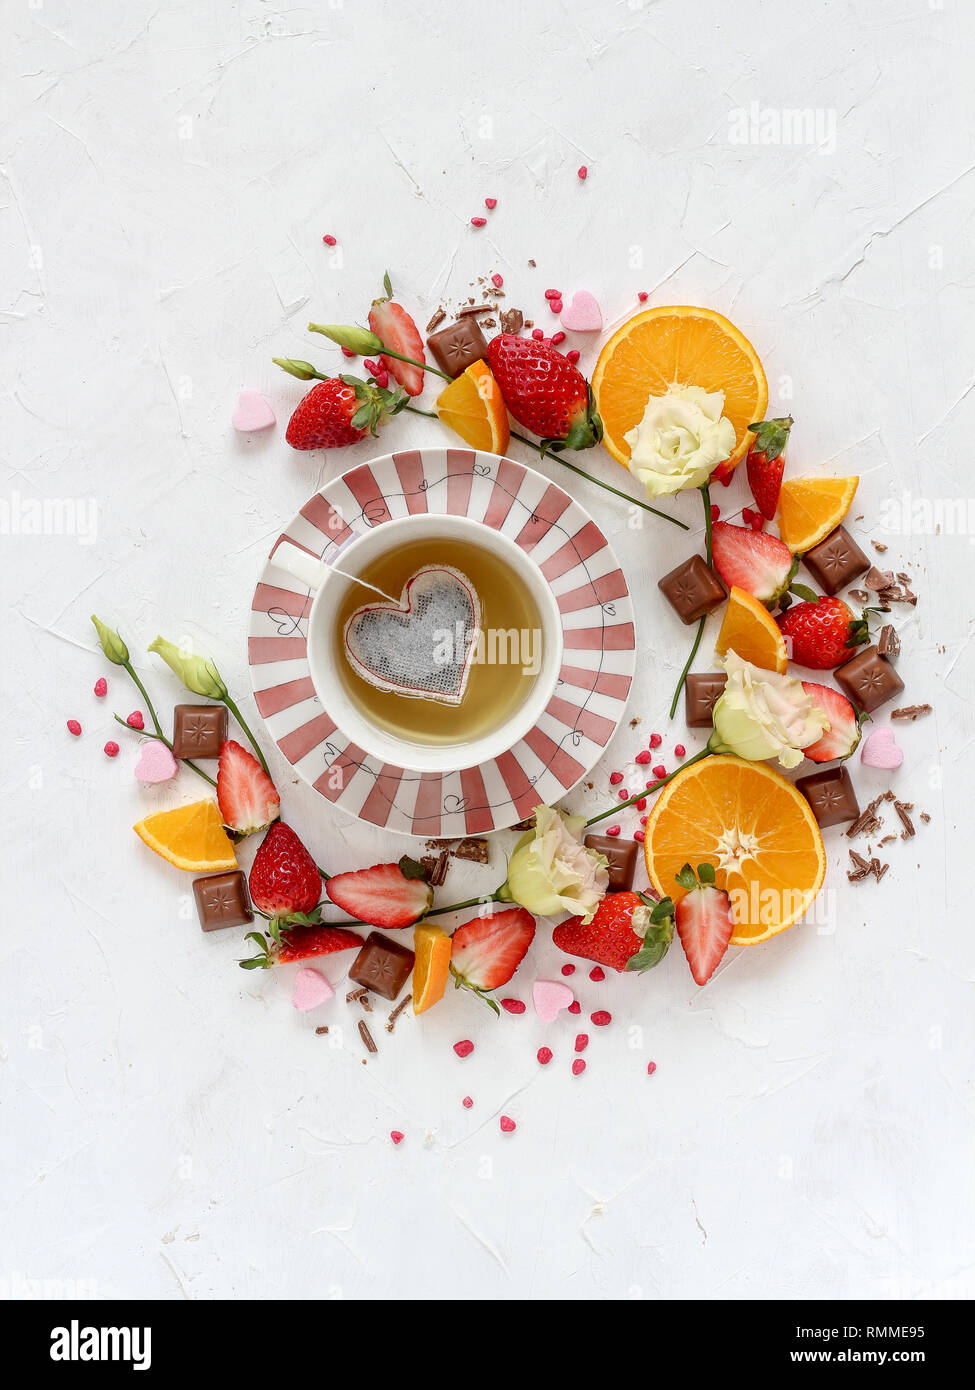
(655, 923)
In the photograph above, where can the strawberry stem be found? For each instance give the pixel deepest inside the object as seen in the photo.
(253, 741)
(641, 796)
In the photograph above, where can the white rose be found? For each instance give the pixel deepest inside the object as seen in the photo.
(764, 715)
(680, 441)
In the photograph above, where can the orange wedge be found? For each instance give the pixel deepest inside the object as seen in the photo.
(473, 407)
(431, 969)
(757, 831)
(677, 345)
(191, 837)
(750, 630)
(809, 508)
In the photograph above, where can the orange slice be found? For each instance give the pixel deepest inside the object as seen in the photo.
(754, 827)
(750, 630)
(191, 837)
(677, 345)
(431, 969)
(809, 508)
(473, 407)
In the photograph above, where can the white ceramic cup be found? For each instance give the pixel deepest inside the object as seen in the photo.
(329, 588)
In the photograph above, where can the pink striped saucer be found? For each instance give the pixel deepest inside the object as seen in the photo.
(597, 623)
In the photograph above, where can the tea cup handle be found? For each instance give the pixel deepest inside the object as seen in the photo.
(300, 565)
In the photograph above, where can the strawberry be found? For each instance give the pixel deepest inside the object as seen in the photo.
(544, 392)
(487, 951)
(705, 921)
(245, 793)
(284, 880)
(630, 931)
(299, 943)
(762, 565)
(341, 410)
(765, 463)
(844, 732)
(398, 332)
(387, 895)
(822, 632)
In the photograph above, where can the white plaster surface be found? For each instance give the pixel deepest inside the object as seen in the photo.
(171, 1128)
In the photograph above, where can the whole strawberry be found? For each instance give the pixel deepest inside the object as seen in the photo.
(630, 931)
(765, 463)
(284, 880)
(545, 392)
(341, 410)
(822, 633)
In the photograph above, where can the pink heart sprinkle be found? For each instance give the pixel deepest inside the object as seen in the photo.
(582, 1042)
(613, 829)
(397, 1136)
(478, 221)
(74, 728)
(491, 203)
(880, 749)
(575, 1007)
(568, 970)
(310, 989)
(656, 740)
(573, 356)
(253, 413)
(135, 720)
(156, 762)
(584, 314)
(544, 1055)
(111, 749)
(553, 294)
(582, 172)
(508, 1125)
(328, 239)
(550, 997)
(497, 280)
(513, 1006)
(600, 1018)
(679, 750)
(464, 1048)
(101, 687)
(643, 296)
(578, 1067)
(597, 973)
(644, 756)
(615, 778)
(651, 1068)
(467, 1102)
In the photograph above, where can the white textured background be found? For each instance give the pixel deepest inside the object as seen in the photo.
(167, 171)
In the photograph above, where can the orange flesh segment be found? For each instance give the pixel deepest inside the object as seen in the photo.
(750, 630)
(431, 969)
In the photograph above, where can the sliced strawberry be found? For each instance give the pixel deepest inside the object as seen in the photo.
(844, 732)
(391, 323)
(383, 896)
(762, 565)
(300, 943)
(487, 951)
(705, 921)
(246, 795)
(284, 879)
(765, 464)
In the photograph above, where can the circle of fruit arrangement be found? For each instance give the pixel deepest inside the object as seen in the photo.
(757, 830)
(670, 346)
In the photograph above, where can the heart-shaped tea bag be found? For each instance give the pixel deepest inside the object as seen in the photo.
(424, 646)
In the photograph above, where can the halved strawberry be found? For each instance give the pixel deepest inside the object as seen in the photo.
(299, 943)
(705, 921)
(487, 951)
(246, 795)
(391, 323)
(762, 565)
(383, 896)
(844, 732)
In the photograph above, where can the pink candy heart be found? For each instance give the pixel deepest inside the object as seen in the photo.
(583, 314)
(311, 989)
(550, 997)
(156, 763)
(880, 750)
(253, 413)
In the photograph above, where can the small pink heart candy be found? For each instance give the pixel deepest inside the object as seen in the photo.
(880, 750)
(311, 989)
(253, 413)
(550, 997)
(156, 763)
(583, 314)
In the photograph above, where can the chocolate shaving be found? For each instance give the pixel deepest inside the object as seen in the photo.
(532, 264)
(530, 822)
(391, 1021)
(910, 712)
(877, 869)
(888, 643)
(437, 318)
(925, 817)
(905, 579)
(467, 309)
(489, 323)
(860, 595)
(438, 845)
(529, 323)
(902, 808)
(886, 841)
(512, 321)
(367, 1037)
(439, 871)
(860, 868)
(877, 580)
(868, 821)
(322, 1028)
(474, 850)
(879, 546)
(355, 994)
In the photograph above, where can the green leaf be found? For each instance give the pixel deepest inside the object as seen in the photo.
(412, 868)
(686, 877)
(388, 285)
(803, 591)
(362, 418)
(705, 873)
(655, 946)
(662, 910)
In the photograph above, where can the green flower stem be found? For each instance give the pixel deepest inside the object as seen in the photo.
(162, 739)
(706, 495)
(388, 352)
(641, 796)
(434, 911)
(415, 410)
(253, 741)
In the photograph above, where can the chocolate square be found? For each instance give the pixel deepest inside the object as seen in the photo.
(382, 965)
(702, 691)
(458, 345)
(831, 796)
(692, 589)
(868, 680)
(222, 900)
(621, 857)
(199, 730)
(836, 561)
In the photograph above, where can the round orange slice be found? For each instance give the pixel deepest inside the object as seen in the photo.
(758, 832)
(431, 969)
(677, 345)
(809, 508)
(473, 407)
(750, 630)
(190, 837)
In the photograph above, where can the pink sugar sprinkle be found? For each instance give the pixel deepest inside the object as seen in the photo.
(111, 749)
(382, 378)
(583, 172)
(641, 805)
(347, 352)
(467, 1102)
(715, 511)
(643, 296)
(644, 819)
(555, 305)
(329, 240)
(638, 835)
(370, 366)
(651, 1068)
(397, 1136)
(615, 778)
(581, 1042)
(74, 727)
(544, 1055)
(573, 355)
(478, 221)
(135, 720)
(497, 280)
(656, 740)
(558, 338)
(679, 750)
(600, 1018)
(101, 687)
(513, 1006)
(597, 973)
(757, 523)
(613, 830)
(623, 794)
(538, 334)
(746, 515)
(659, 770)
(650, 786)
(643, 756)
(508, 1125)
(578, 1067)
(553, 294)
(464, 1048)
(490, 203)
(568, 969)
(575, 1007)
